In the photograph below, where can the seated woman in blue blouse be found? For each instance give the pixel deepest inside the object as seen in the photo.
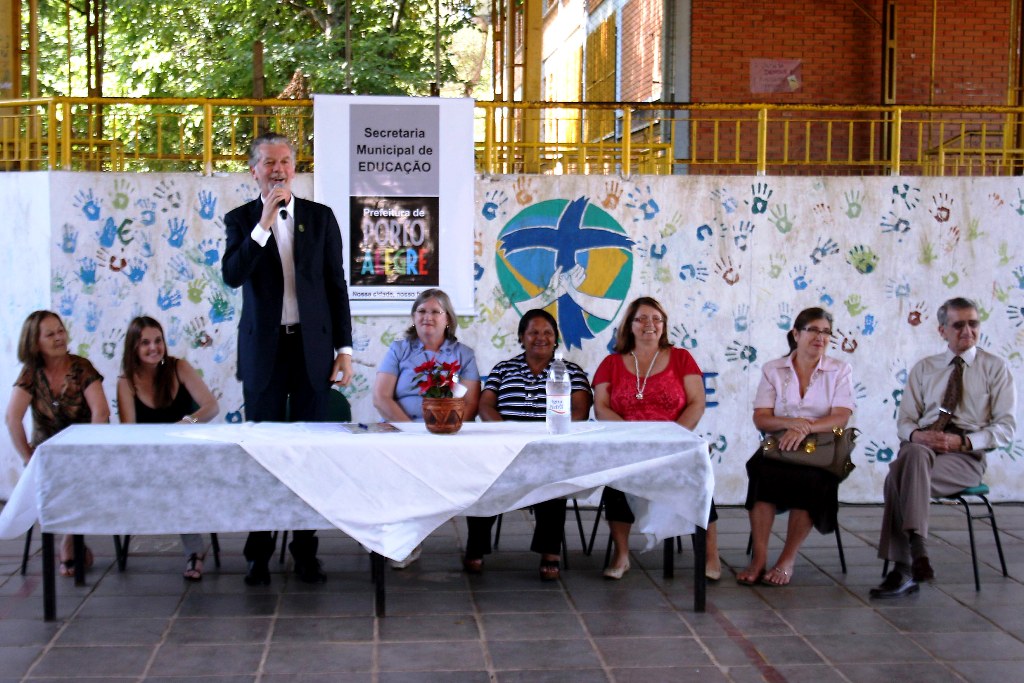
(515, 390)
(396, 395)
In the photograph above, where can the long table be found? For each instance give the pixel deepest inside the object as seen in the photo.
(388, 491)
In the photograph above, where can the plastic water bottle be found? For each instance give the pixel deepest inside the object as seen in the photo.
(558, 389)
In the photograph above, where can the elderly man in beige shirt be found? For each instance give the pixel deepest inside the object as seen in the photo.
(958, 405)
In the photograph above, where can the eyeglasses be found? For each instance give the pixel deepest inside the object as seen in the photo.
(644, 319)
(818, 333)
(959, 324)
(429, 312)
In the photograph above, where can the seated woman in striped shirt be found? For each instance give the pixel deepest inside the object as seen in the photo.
(515, 390)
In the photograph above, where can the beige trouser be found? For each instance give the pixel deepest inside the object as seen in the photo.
(917, 474)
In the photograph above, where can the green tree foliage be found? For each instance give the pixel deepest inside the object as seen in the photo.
(171, 48)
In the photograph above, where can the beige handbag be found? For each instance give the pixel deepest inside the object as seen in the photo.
(825, 450)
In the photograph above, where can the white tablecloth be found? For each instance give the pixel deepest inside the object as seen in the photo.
(388, 491)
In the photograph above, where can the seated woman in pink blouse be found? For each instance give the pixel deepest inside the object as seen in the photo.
(646, 379)
(803, 392)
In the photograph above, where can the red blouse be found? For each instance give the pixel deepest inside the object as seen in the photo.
(664, 396)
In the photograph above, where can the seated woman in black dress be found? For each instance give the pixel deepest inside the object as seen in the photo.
(804, 392)
(515, 390)
(157, 388)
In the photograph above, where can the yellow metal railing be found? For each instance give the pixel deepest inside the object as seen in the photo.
(125, 134)
(209, 135)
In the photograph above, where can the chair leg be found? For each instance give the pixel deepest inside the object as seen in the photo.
(121, 551)
(215, 546)
(970, 535)
(497, 532)
(28, 546)
(284, 544)
(565, 550)
(839, 545)
(579, 525)
(593, 533)
(995, 532)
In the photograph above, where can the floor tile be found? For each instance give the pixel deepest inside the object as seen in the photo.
(542, 654)
(175, 659)
(438, 656)
(82, 662)
(318, 658)
(218, 630)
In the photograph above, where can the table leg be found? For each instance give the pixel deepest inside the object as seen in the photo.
(79, 545)
(668, 565)
(700, 558)
(378, 565)
(49, 580)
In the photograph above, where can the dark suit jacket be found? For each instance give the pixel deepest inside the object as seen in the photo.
(319, 287)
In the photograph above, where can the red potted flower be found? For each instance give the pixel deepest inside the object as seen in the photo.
(438, 382)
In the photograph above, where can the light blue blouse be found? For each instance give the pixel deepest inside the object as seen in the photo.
(404, 355)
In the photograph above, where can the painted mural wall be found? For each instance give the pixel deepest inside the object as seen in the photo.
(734, 259)
(25, 266)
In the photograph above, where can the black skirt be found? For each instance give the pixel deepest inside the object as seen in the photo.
(797, 487)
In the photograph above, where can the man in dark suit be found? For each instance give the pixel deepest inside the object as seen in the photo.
(295, 334)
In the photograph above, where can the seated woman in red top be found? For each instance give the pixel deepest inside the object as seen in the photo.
(647, 379)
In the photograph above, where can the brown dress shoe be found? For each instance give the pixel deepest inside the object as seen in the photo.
(922, 570)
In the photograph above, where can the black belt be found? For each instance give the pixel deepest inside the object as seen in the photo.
(290, 329)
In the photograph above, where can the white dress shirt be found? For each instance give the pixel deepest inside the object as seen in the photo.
(284, 235)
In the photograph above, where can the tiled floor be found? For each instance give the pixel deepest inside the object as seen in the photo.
(147, 624)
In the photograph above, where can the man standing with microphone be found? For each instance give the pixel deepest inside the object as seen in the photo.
(295, 333)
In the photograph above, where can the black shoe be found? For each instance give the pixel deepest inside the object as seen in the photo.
(309, 571)
(895, 586)
(922, 570)
(258, 574)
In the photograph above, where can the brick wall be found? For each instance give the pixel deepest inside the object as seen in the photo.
(841, 50)
(838, 45)
(642, 50)
(971, 53)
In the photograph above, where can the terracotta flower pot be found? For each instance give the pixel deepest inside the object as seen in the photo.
(443, 415)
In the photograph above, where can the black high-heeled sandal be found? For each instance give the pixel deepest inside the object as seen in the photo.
(193, 573)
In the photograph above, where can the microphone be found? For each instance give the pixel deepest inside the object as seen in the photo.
(282, 204)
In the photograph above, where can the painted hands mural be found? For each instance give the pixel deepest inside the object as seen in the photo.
(733, 259)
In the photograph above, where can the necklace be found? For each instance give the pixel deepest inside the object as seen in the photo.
(636, 363)
(59, 398)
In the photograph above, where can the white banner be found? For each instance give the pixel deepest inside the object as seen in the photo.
(398, 173)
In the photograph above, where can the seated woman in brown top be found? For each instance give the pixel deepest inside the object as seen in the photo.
(61, 388)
